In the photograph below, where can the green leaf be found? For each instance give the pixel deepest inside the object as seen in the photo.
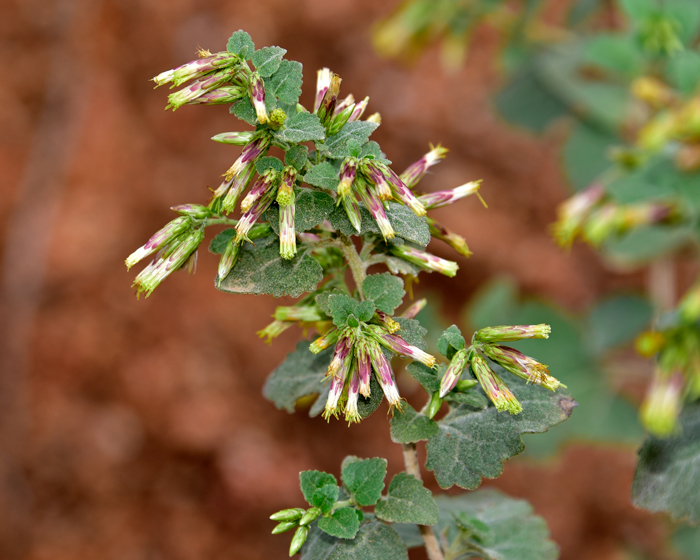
(646, 243)
(450, 341)
(408, 501)
(218, 244)
(683, 71)
(268, 162)
(336, 146)
(285, 84)
(367, 405)
(296, 156)
(668, 473)
(312, 207)
(639, 10)
(241, 44)
(585, 154)
(374, 541)
(324, 176)
(412, 332)
(409, 426)
(301, 374)
(490, 525)
(302, 127)
(325, 497)
(407, 225)
(245, 111)
(311, 481)
(425, 376)
(261, 270)
(342, 306)
(364, 479)
(472, 444)
(339, 221)
(473, 397)
(385, 290)
(267, 60)
(618, 53)
(372, 149)
(343, 524)
(617, 320)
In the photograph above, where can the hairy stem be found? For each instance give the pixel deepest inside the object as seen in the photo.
(432, 546)
(221, 220)
(356, 264)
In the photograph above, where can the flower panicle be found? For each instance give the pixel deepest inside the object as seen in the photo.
(196, 68)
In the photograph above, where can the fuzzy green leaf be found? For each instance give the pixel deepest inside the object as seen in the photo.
(285, 84)
(245, 111)
(451, 339)
(241, 44)
(302, 127)
(408, 501)
(490, 525)
(364, 479)
(668, 473)
(301, 374)
(407, 225)
(385, 290)
(268, 162)
(367, 405)
(372, 149)
(296, 156)
(474, 398)
(409, 426)
(342, 306)
(325, 497)
(218, 244)
(340, 222)
(311, 481)
(261, 270)
(343, 524)
(312, 207)
(425, 376)
(267, 60)
(412, 332)
(324, 176)
(336, 146)
(374, 541)
(472, 444)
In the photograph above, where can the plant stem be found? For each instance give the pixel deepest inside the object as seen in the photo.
(221, 220)
(356, 264)
(432, 546)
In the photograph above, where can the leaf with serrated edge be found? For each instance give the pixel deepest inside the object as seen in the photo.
(322, 175)
(374, 541)
(303, 127)
(301, 374)
(408, 426)
(425, 376)
(668, 473)
(451, 337)
(412, 331)
(472, 444)
(408, 501)
(261, 270)
(296, 156)
(267, 60)
(385, 290)
(514, 532)
(325, 497)
(407, 225)
(364, 479)
(312, 207)
(268, 162)
(241, 44)
(336, 146)
(285, 84)
(343, 524)
(310, 481)
(218, 244)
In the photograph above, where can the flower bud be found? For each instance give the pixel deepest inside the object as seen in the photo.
(344, 104)
(338, 120)
(434, 406)
(198, 88)
(347, 176)
(653, 91)
(352, 210)
(323, 82)
(263, 183)
(277, 119)
(196, 211)
(375, 207)
(342, 349)
(374, 118)
(234, 138)
(457, 242)
(399, 346)
(256, 92)
(385, 321)
(324, 341)
(220, 96)
(352, 414)
(511, 333)
(291, 514)
(249, 218)
(425, 260)
(443, 198)
(158, 240)
(364, 367)
(233, 188)
(521, 365)
(359, 110)
(206, 63)
(273, 330)
(298, 540)
(376, 178)
(454, 371)
(283, 527)
(493, 386)
(400, 191)
(228, 260)
(304, 313)
(384, 374)
(328, 103)
(572, 214)
(251, 152)
(415, 171)
(415, 309)
(465, 384)
(662, 405)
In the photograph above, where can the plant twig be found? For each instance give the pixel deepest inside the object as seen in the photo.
(432, 546)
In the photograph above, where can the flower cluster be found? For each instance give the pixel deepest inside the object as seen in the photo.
(508, 358)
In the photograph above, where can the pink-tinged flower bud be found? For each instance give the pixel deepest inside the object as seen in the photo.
(329, 101)
(457, 242)
(425, 260)
(385, 377)
(352, 210)
(338, 120)
(415, 171)
(249, 218)
(220, 96)
(256, 92)
(305, 313)
(351, 412)
(364, 367)
(234, 138)
(512, 332)
(251, 152)
(285, 199)
(344, 104)
(662, 405)
(374, 118)
(342, 349)
(521, 365)
(228, 260)
(401, 192)
(236, 186)
(273, 330)
(265, 182)
(196, 68)
(158, 240)
(443, 198)
(494, 387)
(385, 321)
(347, 176)
(399, 346)
(689, 308)
(198, 88)
(415, 309)
(324, 341)
(323, 82)
(572, 214)
(376, 178)
(375, 207)
(602, 223)
(173, 257)
(359, 110)
(333, 400)
(645, 213)
(196, 211)
(454, 371)
(285, 194)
